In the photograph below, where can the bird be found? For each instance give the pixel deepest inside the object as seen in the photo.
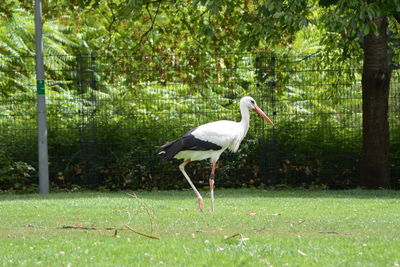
(209, 141)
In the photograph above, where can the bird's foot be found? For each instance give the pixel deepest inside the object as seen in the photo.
(201, 205)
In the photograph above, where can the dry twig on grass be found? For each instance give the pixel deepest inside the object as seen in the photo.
(242, 238)
(78, 227)
(228, 237)
(89, 228)
(146, 208)
(142, 234)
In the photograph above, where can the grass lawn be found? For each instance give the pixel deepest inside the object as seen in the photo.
(293, 228)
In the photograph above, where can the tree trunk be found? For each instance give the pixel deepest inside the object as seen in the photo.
(376, 77)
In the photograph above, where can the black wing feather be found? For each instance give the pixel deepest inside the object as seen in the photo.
(186, 142)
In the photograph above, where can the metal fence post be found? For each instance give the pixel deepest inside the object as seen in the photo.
(41, 104)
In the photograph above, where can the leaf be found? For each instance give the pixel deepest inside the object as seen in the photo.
(278, 15)
(365, 30)
(270, 6)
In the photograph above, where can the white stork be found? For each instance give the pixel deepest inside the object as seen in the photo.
(209, 141)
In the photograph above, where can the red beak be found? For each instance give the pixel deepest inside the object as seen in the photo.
(262, 114)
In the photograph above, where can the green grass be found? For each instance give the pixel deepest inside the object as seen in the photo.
(314, 228)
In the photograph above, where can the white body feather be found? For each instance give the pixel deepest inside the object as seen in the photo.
(226, 134)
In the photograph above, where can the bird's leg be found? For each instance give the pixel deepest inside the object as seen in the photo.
(212, 185)
(199, 198)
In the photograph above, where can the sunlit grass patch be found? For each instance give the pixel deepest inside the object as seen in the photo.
(248, 228)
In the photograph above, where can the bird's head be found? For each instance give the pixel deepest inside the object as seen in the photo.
(249, 103)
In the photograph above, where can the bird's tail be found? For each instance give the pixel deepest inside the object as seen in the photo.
(168, 150)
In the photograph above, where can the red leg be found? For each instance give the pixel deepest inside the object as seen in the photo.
(214, 164)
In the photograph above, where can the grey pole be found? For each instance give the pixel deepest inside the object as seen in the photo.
(41, 104)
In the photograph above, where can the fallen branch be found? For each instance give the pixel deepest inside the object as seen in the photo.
(78, 227)
(204, 231)
(146, 208)
(232, 236)
(242, 238)
(332, 233)
(142, 234)
(89, 228)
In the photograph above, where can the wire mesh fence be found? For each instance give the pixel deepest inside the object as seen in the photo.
(107, 115)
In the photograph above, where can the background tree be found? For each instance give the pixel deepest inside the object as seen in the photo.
(366, 22)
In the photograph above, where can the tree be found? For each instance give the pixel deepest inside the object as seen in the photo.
(367, 22)
(375, 84)
(351, 23)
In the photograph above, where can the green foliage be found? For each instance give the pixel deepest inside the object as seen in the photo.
(127, 79)
(104, 126)
(15, 175)
(17, 50)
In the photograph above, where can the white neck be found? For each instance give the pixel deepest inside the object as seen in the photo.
(243, 127)
(245, 117)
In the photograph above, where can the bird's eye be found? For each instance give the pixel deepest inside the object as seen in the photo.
(252, 101)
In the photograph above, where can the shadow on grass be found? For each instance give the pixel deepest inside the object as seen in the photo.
(221, 193)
